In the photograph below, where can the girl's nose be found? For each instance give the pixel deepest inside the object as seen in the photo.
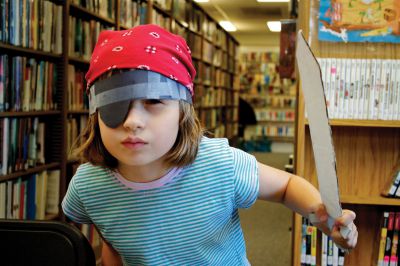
(135, 118)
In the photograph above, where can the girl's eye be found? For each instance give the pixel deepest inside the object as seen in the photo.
(153, 101)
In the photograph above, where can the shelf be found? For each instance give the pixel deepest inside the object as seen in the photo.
(280, 138)
(363, 123)
(21, 51)
(30, 113)
(276, 121)
(164, 12)
(50, 217)
(78, 112)
(83, 12)
(29, 171)
(78, 60)
(369, 200)
(264, 108)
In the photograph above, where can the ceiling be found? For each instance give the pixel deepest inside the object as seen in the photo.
(249, 17)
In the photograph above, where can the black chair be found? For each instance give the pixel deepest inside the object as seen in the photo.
(43, 243)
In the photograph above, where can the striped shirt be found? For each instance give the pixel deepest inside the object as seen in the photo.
(188, 217)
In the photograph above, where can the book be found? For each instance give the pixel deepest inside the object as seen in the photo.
(392, 183)
(340, 257)
(53, 192)
(382, 242)
(330, 251)
(395, 240)
(389, 235)
(3, 200)
(324, 250)
(303, 252)
(41, 195)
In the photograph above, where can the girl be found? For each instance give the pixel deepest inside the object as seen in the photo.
(159, 192)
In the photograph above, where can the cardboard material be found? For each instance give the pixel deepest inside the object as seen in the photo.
(320, 130)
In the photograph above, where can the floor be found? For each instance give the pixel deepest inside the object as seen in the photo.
(267, 226)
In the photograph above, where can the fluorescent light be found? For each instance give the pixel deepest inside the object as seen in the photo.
(274, 26)
(227, 25)
(201, 1)
(273, 1)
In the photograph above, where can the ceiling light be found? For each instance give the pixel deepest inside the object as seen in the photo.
(274, 26)
(273, 1)
(201, 1)
(227, 25)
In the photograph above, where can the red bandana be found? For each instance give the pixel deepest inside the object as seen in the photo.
(147, 47)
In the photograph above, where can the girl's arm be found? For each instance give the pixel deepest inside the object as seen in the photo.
(302, 197)
(109, 256)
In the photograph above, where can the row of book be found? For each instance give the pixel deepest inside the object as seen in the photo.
(32, 24)
(161, 20)
(194, 42)
(210, 76)
(30, 197)
(77, 97)
(361, 88)
(331, 255)
(75, 125)
(388, 254)
(269, 131)
(27, 84)
(211, 118)
(281, 102)
(232, 114)
(104, 8)
(22, 143)
(164, 4)
(83, 36)
(268, 115)
(213, 97)
(133, 13)
(391, 188)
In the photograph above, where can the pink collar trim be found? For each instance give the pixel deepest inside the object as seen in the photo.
(149, 185)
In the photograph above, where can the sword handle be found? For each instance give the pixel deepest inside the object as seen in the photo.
(344, 230)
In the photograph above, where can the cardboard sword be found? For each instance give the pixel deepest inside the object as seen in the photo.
(320, 130)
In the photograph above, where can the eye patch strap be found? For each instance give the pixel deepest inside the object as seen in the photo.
(138, 84)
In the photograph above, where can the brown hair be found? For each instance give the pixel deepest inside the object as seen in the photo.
(182, 153)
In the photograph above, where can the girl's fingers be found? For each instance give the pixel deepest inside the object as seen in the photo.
(346, 219)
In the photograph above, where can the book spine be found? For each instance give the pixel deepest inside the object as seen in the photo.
(324, 250)
(395, 239)
(388, 245)
(382, 242)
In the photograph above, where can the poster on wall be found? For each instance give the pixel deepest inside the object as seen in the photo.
(359, 21)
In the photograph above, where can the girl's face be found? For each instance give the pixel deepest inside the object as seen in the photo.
(147, 134)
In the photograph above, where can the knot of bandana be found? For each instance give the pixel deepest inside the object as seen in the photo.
(147, 47)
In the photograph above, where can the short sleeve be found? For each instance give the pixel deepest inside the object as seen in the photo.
(72, 204)
(245, 178)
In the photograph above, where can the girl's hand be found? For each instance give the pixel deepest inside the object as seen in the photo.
(346, 220)
(350, 241)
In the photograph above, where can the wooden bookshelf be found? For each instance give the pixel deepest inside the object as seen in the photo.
(184, 17)
(366, 150)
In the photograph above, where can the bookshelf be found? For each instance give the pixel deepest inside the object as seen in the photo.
(273, 99)
(366, 150)
(62, 34)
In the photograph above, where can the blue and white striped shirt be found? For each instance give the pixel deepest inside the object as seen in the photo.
(190, 219)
